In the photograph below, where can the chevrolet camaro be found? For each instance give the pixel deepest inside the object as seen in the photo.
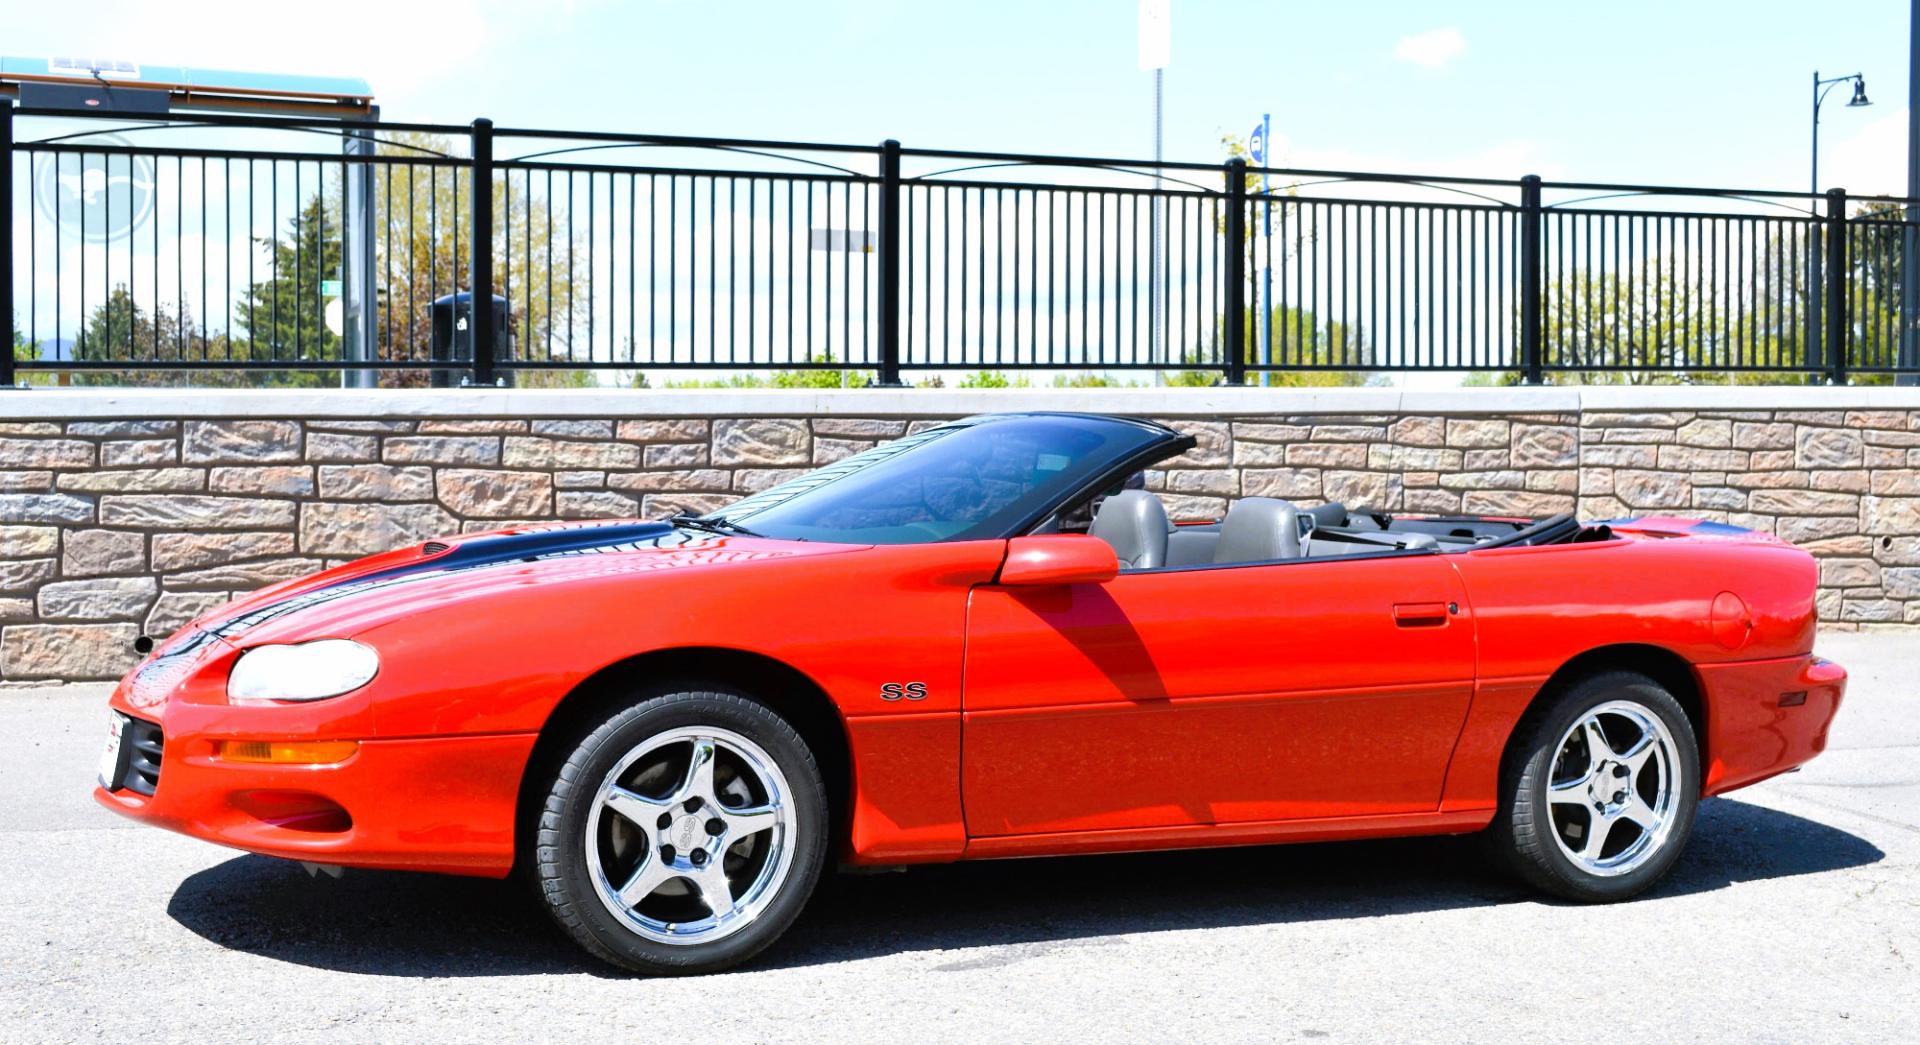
(985, 639)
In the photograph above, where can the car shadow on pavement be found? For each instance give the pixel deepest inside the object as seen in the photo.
(398, 924)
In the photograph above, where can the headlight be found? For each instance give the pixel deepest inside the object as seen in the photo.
(306, 671)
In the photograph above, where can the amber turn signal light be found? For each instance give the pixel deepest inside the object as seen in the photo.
(285, 752)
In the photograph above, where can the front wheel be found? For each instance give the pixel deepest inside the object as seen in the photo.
(684, 834)
(1599, 789)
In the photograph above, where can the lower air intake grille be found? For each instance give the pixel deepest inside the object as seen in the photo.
(143, 743)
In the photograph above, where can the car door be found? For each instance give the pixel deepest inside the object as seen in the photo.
(1274, 691)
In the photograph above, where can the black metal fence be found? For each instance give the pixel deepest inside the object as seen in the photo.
(255, 250)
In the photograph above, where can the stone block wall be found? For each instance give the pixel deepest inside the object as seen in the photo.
(140, 516)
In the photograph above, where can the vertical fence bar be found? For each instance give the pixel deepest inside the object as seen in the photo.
(1836, 286)
(1530, 347)
(6, 238)
(480, 254)
(888, 313)
(1234, 334)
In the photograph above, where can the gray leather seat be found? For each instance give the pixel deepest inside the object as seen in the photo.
(1259, 529)
(1135, 523)
(1192, 545)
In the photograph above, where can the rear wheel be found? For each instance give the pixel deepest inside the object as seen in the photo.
(1599, 789)
(684, 834)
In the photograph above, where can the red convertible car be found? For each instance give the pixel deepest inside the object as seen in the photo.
(981, 640)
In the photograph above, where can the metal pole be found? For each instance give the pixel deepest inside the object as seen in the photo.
(1836, 274)
(1813, 183)
(889, 261)
(6, 237)
(480, 286)
(1909, 276)
(1814, 351)
(360, 291)
(1156, 346)
(1266, 270)
(1530, 348)
(1235, 333)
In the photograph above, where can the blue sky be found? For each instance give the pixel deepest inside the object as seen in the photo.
(1702, 93)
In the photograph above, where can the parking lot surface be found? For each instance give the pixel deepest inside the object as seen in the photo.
(1793, 916)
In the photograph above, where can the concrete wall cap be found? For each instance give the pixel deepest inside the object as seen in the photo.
(80, 404)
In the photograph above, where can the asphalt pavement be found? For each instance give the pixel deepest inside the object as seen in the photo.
(1793, 916)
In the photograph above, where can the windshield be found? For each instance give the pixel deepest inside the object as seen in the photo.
(965, 481)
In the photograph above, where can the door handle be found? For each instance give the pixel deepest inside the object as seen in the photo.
(1422, 614)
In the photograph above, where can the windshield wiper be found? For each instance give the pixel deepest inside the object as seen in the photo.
(720, 524)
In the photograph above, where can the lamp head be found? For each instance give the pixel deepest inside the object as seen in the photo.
(1859, 93)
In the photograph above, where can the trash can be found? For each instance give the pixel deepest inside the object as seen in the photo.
(453, 337)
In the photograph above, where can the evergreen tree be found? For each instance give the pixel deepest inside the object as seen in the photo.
(283, 317)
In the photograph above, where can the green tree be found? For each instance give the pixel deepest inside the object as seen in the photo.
(284, 316)
(821, 378)
(423, 248)
(1302, 337)
(22, 349)
(1671, 322)
(1875, 249)
(1660, 323)
(1674, 320)
(119, 330)
(985, 379)
(1091, 381)
(809, 377)
(1299, 336)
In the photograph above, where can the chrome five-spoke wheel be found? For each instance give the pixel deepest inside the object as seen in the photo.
(683, 832)
(1599, 786)
(690, 834)
(1614, 784)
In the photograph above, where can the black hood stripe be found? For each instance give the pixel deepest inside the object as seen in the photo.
(479, 553)
(170, 663)
(527, 547)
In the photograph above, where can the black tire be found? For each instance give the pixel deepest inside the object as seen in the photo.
(561, 863)
(1525, 834)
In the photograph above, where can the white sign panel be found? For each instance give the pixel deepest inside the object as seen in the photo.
(108, 68)
(855, 240)
(1156, 34)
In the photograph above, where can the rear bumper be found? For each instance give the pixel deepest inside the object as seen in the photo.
(1765, 717)
(436, 804)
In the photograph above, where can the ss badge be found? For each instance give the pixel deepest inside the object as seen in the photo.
(903, 691)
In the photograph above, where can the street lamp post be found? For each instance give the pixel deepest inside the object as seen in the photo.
(1815, 359)
(1820, 90)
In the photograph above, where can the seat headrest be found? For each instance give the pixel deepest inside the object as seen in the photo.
(1136, 524)
(1333, 513)
(1259, 529)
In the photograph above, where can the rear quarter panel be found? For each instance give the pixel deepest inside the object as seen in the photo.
(1538, 608)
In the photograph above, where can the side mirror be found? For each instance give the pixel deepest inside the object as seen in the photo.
(1058, 559)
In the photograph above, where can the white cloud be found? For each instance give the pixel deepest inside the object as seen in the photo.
(1432, 49)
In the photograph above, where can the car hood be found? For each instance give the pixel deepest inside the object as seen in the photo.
(350, 599)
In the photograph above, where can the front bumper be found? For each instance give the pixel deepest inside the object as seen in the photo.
(443, 804)
(1765, 717)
